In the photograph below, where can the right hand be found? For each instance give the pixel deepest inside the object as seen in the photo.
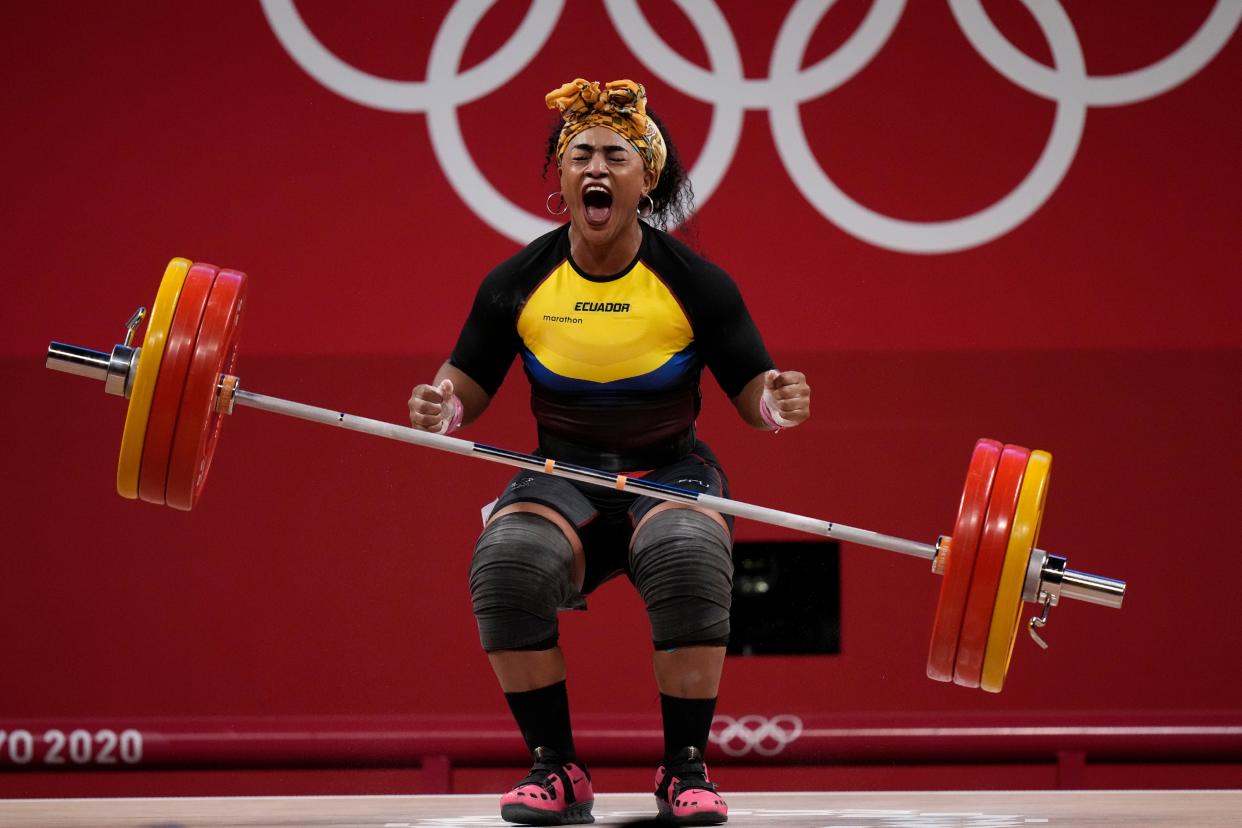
(432, 406)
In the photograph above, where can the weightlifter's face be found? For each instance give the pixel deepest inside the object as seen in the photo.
(602, 180)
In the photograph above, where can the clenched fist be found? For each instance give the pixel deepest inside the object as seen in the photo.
(435, 408)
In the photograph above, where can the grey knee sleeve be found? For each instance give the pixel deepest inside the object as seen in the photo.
(522, 572)
(682, 564)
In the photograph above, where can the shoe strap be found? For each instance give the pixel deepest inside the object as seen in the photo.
(684, 785)
(543, 769)
(689, 777)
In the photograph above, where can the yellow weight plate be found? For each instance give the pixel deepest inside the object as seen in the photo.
(1007, 612)
(148, 368)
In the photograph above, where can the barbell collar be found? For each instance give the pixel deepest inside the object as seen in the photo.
(1050, 578)
(120, 370)
(1034, 575)
(114, 370)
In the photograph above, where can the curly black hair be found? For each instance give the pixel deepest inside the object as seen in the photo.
(673, 195)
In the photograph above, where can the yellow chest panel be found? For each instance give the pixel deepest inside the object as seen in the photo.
(603, 331)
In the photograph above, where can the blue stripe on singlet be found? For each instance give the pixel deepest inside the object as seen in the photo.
(668, 375)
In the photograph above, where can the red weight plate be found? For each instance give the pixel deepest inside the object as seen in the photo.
(169, 383)
(198, 423)
(947, 625)
(977, 620)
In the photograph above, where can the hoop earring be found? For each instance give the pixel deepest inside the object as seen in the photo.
(564, 204)
(650, 206)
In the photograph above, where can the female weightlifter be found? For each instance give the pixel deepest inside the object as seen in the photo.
(614, 320)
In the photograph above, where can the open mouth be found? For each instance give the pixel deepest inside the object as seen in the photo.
(597, 205)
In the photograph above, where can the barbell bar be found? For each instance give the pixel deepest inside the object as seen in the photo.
(990, 564)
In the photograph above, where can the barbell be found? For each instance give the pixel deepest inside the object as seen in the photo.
(180, 386)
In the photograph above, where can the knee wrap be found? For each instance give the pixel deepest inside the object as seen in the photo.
(682, 564)
(522, 572)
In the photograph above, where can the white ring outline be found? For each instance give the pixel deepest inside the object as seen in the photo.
(448, 143)
(753, 730)
(724, 133)
(1121, 89)
(390, 95)
(752, 93)
(788, 85)
(952, 235)
(439, 95)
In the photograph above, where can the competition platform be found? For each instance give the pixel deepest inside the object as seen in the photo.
(987, 809)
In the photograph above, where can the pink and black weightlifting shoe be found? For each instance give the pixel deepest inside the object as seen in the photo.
(556, 792)
(684, 794)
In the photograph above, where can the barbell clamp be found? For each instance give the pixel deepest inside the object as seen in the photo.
(1048, 593)
(133, 323)
(1040, 621)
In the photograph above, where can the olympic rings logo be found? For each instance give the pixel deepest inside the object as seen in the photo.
(787, 86)
(757, 734)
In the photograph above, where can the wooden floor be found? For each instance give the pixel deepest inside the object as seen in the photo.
(1157, 809)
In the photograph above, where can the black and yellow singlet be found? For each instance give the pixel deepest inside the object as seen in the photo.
(613, 361)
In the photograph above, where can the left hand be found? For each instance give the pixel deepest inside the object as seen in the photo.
(787, 397)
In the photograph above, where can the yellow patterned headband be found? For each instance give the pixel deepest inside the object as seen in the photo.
(621, 106)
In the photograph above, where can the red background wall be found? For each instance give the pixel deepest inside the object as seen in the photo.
(325, 573)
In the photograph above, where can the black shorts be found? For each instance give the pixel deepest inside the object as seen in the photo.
(605, 518)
